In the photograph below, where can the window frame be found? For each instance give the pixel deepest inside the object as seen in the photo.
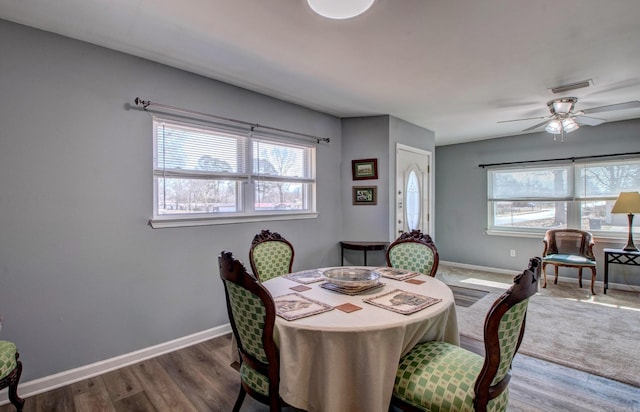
(577, 183)
(246, 178)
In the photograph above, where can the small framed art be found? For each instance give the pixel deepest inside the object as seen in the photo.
(365, 195)
(364, 169)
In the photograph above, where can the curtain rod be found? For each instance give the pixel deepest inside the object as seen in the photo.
(146, 103)
(573, 159)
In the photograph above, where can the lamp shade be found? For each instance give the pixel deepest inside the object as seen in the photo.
(627, 202)
(340, 9)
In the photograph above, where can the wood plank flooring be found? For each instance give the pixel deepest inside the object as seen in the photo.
(199, 378)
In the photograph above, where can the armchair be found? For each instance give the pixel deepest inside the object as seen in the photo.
(569, 248)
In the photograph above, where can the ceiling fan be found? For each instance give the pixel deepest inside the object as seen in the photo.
(564, 119)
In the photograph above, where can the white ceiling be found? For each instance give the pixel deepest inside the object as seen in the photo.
(456, 67)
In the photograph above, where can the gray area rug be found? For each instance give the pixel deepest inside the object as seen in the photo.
(566, 325)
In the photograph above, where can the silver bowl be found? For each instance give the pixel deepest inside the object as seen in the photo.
(348, 277)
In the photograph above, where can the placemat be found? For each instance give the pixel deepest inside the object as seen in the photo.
(350, 290)
(402, 301)
(306, 276)
(395, 273)
(415, 281)
(294, 306)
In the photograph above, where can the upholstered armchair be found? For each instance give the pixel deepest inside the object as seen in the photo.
(570, 248)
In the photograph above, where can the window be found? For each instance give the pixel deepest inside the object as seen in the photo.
(576, 195)
(216, 174)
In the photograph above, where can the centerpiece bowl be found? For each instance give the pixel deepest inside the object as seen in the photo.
(349, 277)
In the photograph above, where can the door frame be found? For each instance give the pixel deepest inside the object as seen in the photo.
(393, 193)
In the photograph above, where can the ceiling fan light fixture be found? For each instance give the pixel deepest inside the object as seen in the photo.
(340, 9)
(561, 106)
(554, 127)
(569, 125)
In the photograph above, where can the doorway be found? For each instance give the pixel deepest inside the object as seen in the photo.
(413, 205)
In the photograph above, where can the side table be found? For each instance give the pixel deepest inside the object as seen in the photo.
(364, 246)
(621, 257)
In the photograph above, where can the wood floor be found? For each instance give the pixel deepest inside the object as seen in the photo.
(199, 378)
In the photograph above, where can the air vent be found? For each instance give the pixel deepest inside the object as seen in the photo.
(572, 86)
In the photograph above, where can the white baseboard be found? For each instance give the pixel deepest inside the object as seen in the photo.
(586, 279)
(47, 383)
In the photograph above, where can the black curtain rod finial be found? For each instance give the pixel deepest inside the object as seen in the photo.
(144, 103)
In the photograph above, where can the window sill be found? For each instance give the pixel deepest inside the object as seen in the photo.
(162, 223)
(601, 237)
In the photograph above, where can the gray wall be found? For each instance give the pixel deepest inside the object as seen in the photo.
(365, 138)
(374, 137)
(461, 195)
(82, 276)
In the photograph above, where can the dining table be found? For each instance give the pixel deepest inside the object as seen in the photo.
(344, 357)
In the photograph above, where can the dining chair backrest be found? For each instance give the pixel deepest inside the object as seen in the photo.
(414, 251)
(503, 331)
(252, 313)
(270, 256)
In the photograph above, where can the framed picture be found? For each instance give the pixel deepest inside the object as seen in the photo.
(365, 195)
(364, 169)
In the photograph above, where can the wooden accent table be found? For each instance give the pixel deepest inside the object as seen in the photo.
(619, 256)
(364, 246)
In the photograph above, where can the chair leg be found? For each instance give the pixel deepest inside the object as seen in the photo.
(580, 277)
(17, 401)
(241, 395)
(593, 279)
(555, 281)
(544, 275)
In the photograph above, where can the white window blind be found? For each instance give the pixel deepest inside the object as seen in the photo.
(205, 171)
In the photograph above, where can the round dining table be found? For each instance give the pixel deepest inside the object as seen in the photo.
(347, 360)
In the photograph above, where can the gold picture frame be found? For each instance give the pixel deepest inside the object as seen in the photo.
(365, 195)
(364, 169)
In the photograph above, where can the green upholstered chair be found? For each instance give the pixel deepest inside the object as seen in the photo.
(10, 371)
(570, 248)
(271, 255)
(414, 251)
(252, 315)
(438, 376)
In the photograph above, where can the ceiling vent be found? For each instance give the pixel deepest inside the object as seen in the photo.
(572, 86)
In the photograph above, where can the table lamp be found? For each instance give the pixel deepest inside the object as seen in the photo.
(628, 202)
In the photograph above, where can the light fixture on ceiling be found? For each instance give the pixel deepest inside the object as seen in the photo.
(562, 120)
(340, 9)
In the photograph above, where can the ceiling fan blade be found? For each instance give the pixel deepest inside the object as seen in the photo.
(609, 108)
(589, 121)
(518, 120)
(528, 129)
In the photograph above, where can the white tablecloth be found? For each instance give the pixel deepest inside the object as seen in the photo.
(337, 361)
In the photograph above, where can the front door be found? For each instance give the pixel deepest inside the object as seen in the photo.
(413, 206)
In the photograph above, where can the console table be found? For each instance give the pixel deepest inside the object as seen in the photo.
(621, 257)
(364, 246)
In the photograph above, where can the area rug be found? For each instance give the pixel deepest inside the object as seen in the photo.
(565, 324)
